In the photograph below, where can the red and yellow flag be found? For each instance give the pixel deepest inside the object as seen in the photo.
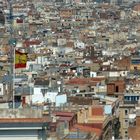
(20, 59)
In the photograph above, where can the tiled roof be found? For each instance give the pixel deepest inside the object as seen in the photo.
(117, 82)
(83, 81)
(136, 7)
(83, 128)
(27, 43)
(65, 118)
(64, 114)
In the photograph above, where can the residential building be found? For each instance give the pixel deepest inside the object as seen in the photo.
(125, 111)
(116, 87)
(133, 130)
(23, 124)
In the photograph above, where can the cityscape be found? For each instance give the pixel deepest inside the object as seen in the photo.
(69, 70)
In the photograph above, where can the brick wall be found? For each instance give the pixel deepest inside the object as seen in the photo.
(123, 64)
(67, 13)
(110, 88)
(97, 111)
(115, 87)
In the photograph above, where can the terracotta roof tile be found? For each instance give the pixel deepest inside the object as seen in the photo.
(84, 81)
(65, 118)
(64, 114)
(27, 43)
(136, 7)
(97, 131)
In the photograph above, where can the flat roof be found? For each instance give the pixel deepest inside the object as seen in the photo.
(23, 120)
(77, 135)
(22, 126)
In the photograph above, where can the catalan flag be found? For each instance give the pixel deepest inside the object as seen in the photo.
(20, 59)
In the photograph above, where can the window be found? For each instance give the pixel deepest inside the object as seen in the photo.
(117, 89)
(132, 98)
(135, 68)
(126, 121)
(126, 133)
(126, 112)
(128, 98)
